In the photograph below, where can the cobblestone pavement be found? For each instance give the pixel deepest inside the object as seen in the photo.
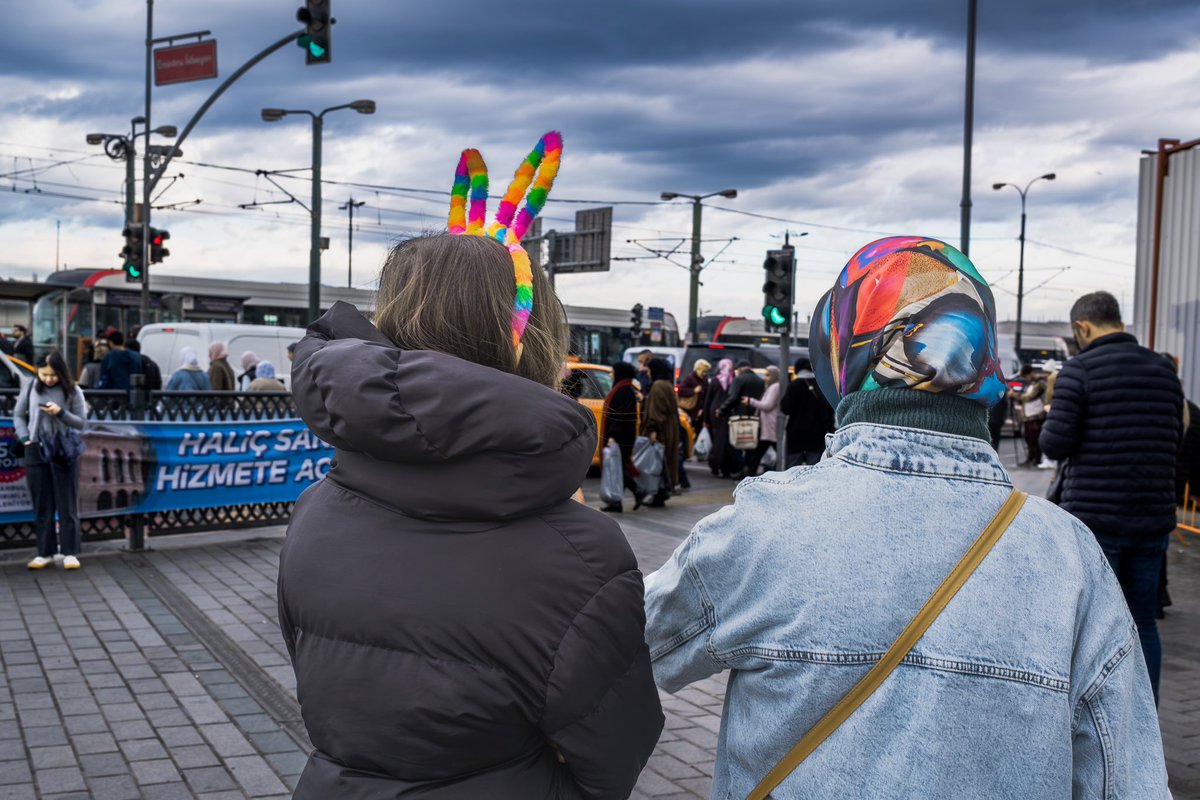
(162, 675)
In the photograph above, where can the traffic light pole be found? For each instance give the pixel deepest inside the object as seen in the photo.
(314, 253)
(694, 295)
(147, 186)
(785, 358)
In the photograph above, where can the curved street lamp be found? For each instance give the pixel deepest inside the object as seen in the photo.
(1049, 176)
(314, 253)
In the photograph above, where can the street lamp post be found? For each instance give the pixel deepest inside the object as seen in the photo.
(351, 204)
(697, 259)
(120, 147)
(1049, 176)
(314, 253)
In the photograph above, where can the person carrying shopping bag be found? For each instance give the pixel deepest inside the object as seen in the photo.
(618, 425)
(660, 424)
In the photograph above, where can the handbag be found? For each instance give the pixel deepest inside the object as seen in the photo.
(703, 446)
(689, 403)
(612, 475)
(649, 458)
(62, 447)
(900, 648)
(1055, 491)
(1033, 408)
(743, 432)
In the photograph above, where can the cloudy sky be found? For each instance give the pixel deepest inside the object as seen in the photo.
(841, 119)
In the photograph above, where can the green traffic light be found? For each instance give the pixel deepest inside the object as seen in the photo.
(315, 49)
(774, 316)
(133, 271)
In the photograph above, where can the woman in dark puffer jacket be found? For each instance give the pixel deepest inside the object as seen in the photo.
(460, 627)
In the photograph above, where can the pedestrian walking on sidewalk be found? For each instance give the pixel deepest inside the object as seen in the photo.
(189, 377)
(692, 393)
(220, 372)
(249, 370)
(809, 417)
(768, 413)
(266, 380)
(724, 460)
(49, 417)
(1032, 402)
(1117, 420)
(460, 627)
(660, 422)
(1023, 679)
(619, 423)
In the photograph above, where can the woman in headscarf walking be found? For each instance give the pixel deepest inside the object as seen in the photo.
(249, 370)
(189, 377)
(220, 373)
(618, 423)
(768, 421)
(266, 381)
(723, 459)
(660, 422)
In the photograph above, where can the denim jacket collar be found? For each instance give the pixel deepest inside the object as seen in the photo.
(895, 449)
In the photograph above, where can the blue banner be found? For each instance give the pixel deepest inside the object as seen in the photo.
(141, 467)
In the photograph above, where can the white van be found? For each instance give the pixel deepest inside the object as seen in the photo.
(164, 343)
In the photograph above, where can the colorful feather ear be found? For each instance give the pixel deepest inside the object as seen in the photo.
(540, 168)
(470, 178)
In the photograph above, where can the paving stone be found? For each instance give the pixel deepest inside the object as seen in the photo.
(14, 772)
(143, 750)
(209, 779)
(134, 729)
(162, 771)
(60, 780)
(114, 787)
(192, 756)
(227, 740)
(255, 776)
(99, 765)
(43, 757)
(45, 737)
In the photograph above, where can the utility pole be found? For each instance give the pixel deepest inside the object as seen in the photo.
(697, 259)
(314, 250)
(57, 241)
(968, 125)
(350, 205)
(144, 316)
(1049, 176)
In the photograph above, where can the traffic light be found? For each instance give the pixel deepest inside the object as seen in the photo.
(635, 320)
(132, 254)
(157, 251)
(318, 31)
(780, 266)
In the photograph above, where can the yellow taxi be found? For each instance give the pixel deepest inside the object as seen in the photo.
(591, 383)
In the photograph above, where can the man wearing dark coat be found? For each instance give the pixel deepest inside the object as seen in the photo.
(1117, 420)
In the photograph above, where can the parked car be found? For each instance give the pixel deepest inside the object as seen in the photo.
(164, 342)
(590, 384)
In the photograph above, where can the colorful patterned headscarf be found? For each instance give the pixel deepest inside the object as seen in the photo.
(908, 312)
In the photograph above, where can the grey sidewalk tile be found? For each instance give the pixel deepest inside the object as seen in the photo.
(143, 750)
(60, 780)
(14, 772)
(162, 771)
(255, 776)
(58, 756)
(100, 765)
(45, 737)
(209, 779)
(114, 787)
(194, 755)
(227, 740)
(175, 790)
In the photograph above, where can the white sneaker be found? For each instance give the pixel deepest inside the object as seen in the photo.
(70, 562)
(40, 563)
(1048, 464)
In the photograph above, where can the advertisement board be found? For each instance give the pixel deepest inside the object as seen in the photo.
(144, 467)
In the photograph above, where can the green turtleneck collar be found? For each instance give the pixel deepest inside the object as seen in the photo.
(910, 408)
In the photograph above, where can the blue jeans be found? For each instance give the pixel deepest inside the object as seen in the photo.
(1137, 562)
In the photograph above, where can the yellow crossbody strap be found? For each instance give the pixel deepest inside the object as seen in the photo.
(900, 648)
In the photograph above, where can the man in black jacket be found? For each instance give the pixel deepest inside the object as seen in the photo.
(809, 417)
(1116, 418)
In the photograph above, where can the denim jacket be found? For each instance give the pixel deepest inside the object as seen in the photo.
(1031, 683)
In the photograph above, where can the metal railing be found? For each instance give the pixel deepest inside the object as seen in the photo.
(140, 405)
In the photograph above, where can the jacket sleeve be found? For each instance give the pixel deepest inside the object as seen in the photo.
(1116, 743)
(769, 401)
(680, 620)
(74, 415)
(1061, 431)
(602, 710)
(788, 403)
(21, 412)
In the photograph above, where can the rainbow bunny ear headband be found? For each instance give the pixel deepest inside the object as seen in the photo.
(468, 208)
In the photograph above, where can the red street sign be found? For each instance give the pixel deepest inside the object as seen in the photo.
(187, 62)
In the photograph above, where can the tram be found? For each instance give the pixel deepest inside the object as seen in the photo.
(73, 305)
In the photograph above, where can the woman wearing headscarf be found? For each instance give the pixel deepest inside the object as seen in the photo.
(266, 380)
(693, 391)
(249, 370)
(660, 422)
(1034, 663)
(189, 377)
(220, 373)
(618, 423)
(723, 459)
(768, 413)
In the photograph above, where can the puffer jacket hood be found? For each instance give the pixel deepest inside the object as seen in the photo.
(417, 421)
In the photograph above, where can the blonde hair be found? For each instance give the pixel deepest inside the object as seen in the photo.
(455, 295)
